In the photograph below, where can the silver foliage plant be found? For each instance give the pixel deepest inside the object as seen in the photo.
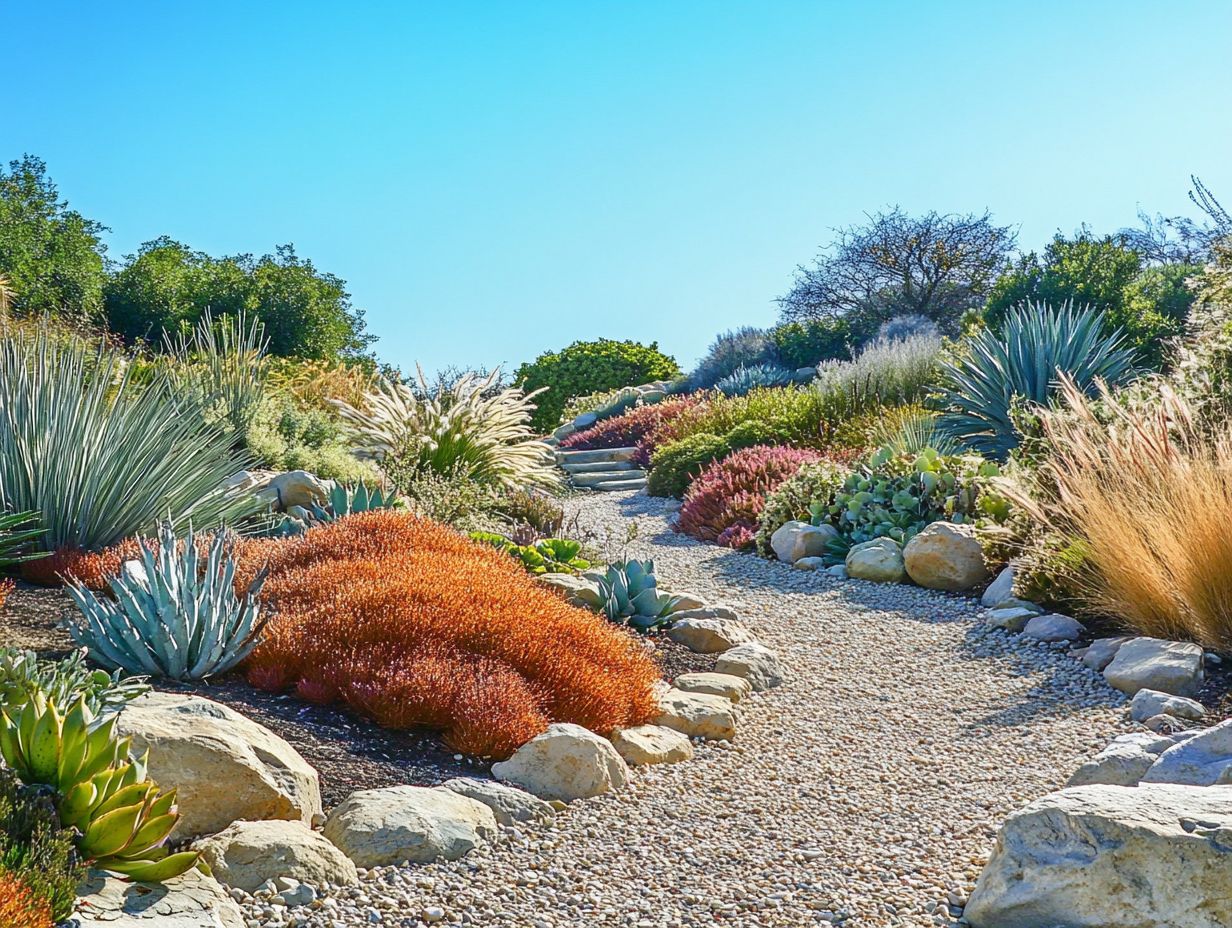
(99, 454)
(173, 615)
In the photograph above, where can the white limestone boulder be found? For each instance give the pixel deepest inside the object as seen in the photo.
(246, 854)
(946, 556)
(697, 715)
(1112, 857)
(510, 806)
(226, 767)
(566, 762)
(879, 560)
(753, 662)
(708, 636)
(188, 901)
(794, 540)
(1125, 761)
(726, 685)
(652, 744)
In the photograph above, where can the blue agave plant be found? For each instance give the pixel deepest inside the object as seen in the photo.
(743, 379)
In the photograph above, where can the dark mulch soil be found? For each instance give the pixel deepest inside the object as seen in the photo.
(348, 752)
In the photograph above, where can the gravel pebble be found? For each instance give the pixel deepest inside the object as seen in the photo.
(864, 792)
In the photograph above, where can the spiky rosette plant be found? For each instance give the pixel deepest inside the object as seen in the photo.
(724, 503)
(172, 615)
(628, 594)
(122, 818)
(463, 429)
(745, 379)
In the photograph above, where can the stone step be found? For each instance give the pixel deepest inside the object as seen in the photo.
(611, 486)
(594, 478)
(594, 457)
(591, 467)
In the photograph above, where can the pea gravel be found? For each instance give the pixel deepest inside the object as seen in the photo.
(864, 792)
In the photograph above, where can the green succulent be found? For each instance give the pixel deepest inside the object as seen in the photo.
(628, 594)
(897, 495)
(545, 556)
(22, 674)
(347, 501)
(121, 818)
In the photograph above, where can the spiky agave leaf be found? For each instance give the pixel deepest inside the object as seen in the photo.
(1025, 359)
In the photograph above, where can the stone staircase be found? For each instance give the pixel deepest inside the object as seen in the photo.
(605, 470)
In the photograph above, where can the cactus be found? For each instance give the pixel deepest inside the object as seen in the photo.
(171, 616)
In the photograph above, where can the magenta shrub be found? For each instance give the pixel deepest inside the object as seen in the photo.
(629, 428)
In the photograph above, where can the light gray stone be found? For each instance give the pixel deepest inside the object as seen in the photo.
(810, 563)
(1149, 703)
(1001, 588)
(566, 762)
(879, 560)
(584, 421)
(1054, 627)
(246, 854)
(577, 591)
(716, 684)
(1205, 759)
(510, 805)
(1123, 762)
(794, 540)
(294, 488)
(1101, 652)
(1112, 857)
(698, 715)
(753, 662)
(838, 571)
(1012, 618)
(192, 900)
(946, 556)
(1151, 663)
(652, 744)
(382, 827)
(708, 636)
(226, 767)
(707, 612)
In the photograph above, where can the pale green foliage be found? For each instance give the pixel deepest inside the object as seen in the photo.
(744, 379)
(99, 456)
(1023, 361)
(22, 674)
(887, 372)
(629, 595)
(457, 430)
(172, 615)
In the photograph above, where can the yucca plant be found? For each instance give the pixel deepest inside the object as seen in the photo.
(458, 430)
(99, 456)
(1024, 360)
(172, 616)
(122, 818)
(17, 531)
(744, 379)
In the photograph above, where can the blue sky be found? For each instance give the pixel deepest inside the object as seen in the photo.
(496, 179)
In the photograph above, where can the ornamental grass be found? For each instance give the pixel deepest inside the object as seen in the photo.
(724, 503)
(409, 623)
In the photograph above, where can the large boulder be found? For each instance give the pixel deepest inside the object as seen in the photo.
(879, 560)
(1001, 588)
(1110, 857)
(946, 556)
(652, 744)
(794, 540)
(247, 854)
(294, 488)
(382, 827)
(753, 662)
(1126, 760)
(189, 901)
(566, 762)
(509, 805)
(1155, 664)
(697, 715)
(1202, 760)
(708, 636)
(226, 767)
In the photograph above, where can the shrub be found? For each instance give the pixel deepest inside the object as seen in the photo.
(589, 367)
(287, 435)
(545, 556)
(740, 348)
(454, 500)
(411, 624)
(463, 431)
(176, 616)
(632, 427)
(97, 455)
(1133, 501)
(807, 344)
(39, 870)
(912, 325)
(531, 513)
(886, 373)
(724, 503)
(897, 496)
(791, 500)
(910, 430)
(1024, 360)
(675, 464)
(745, 379)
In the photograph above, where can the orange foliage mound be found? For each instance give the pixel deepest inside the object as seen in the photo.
(21, 908)
(6, 587)
(411, 624)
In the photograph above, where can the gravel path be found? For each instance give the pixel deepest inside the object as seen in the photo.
(865, 792)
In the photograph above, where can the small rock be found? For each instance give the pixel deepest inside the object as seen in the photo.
(1101, 652)
(1149, 703)
(716, 684)
(879, 560)
(1011, 618)
(652, 744)
(753, 662)
(1002, 588)
(708, 636)
(794, 540)
(810, 563)
(946, 556)
(838, 571)
(566, 762)
(1152, 663)
(1205, 759)
(248, 855)
(1054, 627)
(510, 806)
(698, 715)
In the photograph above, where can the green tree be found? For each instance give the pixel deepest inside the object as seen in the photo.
(51, 255)
(166, 287)
(1149, 304)
(590, 367)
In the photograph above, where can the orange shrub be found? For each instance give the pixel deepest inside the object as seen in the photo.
(20, 907)
(411, 624)
(6, 587)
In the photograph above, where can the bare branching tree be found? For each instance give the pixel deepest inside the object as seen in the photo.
(937, 266)
(1179, 239)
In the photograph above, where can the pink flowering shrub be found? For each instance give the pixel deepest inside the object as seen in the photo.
(629, 428)
(724, 503)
